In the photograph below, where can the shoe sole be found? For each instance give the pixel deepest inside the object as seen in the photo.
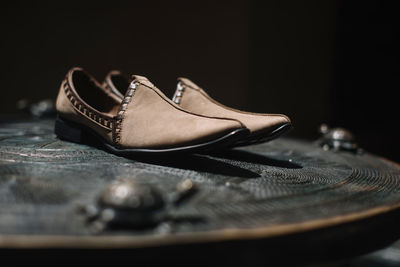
(77, 133)
(264, 138)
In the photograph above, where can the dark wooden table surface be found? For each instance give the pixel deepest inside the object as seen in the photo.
(278, 201)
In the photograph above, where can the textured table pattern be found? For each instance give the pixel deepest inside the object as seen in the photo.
(285, 186)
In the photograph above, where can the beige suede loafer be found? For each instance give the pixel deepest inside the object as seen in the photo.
(143, 121)
(190, 97)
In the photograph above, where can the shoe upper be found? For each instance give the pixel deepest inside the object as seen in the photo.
(83, 100)
(116, 83)
(191, 97)
(145, 118)
(194, 99)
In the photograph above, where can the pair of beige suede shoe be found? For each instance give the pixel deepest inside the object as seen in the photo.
(129, 116)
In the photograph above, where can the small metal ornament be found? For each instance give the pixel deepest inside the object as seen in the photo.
(43, 109)
(337, 139)
(127, 204)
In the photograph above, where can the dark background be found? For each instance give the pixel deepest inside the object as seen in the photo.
(316, 61)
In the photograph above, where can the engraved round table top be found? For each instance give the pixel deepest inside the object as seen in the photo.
(285, 192)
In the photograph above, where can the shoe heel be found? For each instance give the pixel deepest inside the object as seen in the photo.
(68, 131)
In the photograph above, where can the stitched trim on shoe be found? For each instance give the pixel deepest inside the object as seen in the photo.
(117, 130)
(178, 93)
(84, 109)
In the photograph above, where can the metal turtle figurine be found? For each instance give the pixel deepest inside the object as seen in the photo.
(125, 203)
(337, 139)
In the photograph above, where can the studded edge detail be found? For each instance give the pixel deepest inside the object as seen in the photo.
(120, 116)
(178, 93)
(85, 110)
